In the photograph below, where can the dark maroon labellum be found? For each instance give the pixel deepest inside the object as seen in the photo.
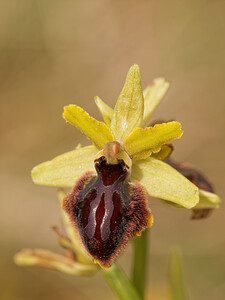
(106, 210)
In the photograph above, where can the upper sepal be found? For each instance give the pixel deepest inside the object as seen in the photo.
(128, 112)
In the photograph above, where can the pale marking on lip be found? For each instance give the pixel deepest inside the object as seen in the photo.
(109, 208)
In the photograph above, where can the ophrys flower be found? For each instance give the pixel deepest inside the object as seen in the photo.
(112, 177)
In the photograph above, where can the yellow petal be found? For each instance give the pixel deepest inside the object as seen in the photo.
(48, 259)
(207, 200)
(162, 181)
(164, 153)
(153, 94)
(105, 110)
(129, 108)
(81, 253)
(142, 142)
(96, 131)
(66, 168)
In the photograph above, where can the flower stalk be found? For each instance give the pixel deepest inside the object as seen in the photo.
(140, 262)
(120, 284)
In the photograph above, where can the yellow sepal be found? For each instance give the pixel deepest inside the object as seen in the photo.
(66, 168)
(128, 112)
(162, 181)
(207, 200)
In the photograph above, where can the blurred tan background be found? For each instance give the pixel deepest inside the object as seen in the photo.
(57, 52)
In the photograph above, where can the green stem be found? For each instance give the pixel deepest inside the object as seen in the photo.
(140, 262)
(120, 284)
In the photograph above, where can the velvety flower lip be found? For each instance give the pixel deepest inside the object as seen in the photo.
(107, 210)
(122, 141)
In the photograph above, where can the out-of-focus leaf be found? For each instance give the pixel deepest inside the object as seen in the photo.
(96, 131)
(48, 259)
(142, 142)
(162, 181)
(153, 94)
(129, 108)
(64, 241)
(176, 277)
(66, 168)
(105, 110)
